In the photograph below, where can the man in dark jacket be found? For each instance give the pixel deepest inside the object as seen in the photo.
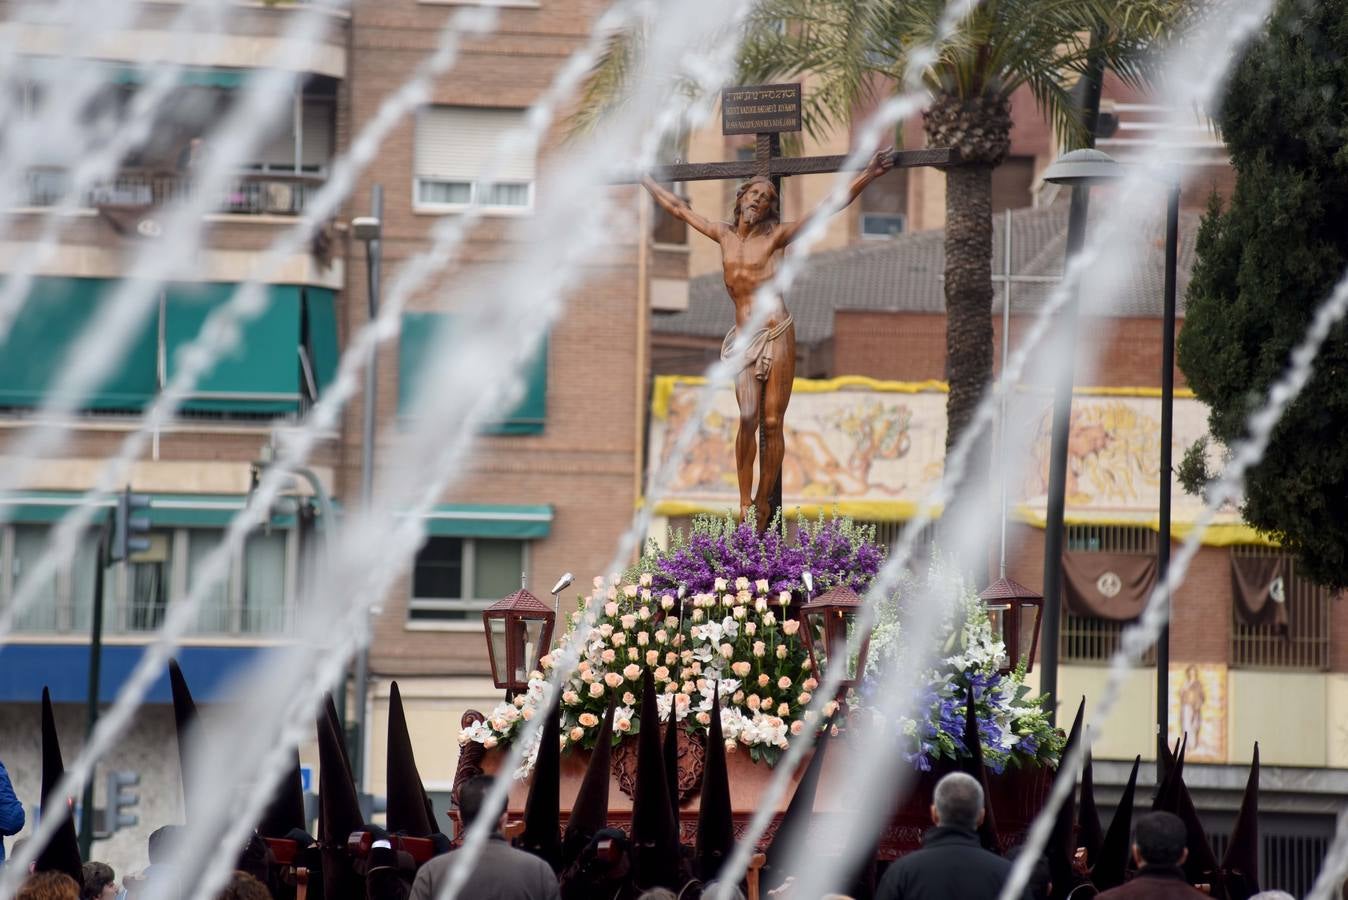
(501, 872)
(1159, 840)
(952, 864)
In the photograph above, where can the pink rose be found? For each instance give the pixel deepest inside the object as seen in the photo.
(783, 683)
(628, 699)
(623, 725)
(610, 609)
(703, 718)
(797, 726)
(608, 656)
(804, 698)
(753, 701)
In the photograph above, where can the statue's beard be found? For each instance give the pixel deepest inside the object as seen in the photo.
(753, 216)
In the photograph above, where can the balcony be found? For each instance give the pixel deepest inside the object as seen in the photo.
(137, 191)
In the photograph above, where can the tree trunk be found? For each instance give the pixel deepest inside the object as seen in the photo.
(968, 295)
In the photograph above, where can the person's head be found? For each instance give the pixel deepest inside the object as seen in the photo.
(1191, 672)
(607, 853)
(711, 887)
(48, 886)
(1272, 895)
(756, 202)
(16, 848)
(1159, 840)
(658, 894)
(100, 882)
(958, 802)
(243, 886)
(472, 797)
(162, 842)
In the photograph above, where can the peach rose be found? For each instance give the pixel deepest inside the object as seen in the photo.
(763, 680)
(666, 602)
(661, 673)
(596, 689)
(610, 609)
(628, 621)
(741, 668)
(783, 683)
(727, 650)
(703, 718)
(577, 733)
(791, 626)
(661, 636)
(805, 698)
(588, 720)
(629, 699)
(783, 709)
(633, 654)
(644, 614)
(750, 628)
(606, 630)
(632, 672)
(608, 656)
(570, 698)
(797, 726)
(738, 698)
(618, 639)
(652, 657)
(753, 701)
(781, 651)
(613, 679)
(643, 639)
(630, 590)
(760, 648)
(623, 725)
(809, 684)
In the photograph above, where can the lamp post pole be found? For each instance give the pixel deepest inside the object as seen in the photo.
(370, 230)
(1057, 475)
(1167, 431)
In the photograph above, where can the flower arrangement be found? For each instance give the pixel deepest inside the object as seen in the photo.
(714, 611)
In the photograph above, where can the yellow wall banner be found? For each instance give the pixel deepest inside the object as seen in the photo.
(874, 450)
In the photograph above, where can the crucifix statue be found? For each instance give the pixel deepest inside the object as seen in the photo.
(751, 246)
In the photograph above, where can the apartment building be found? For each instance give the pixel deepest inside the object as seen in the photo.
(550, 486)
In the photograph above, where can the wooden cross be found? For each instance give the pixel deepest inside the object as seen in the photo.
(767, 111)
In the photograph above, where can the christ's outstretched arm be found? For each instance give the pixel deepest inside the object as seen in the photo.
(880, 163)
(676, 207)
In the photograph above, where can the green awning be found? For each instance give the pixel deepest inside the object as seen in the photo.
(489, 521)
(166, 510)
(419, 334)
(320, 331)
(262, 373)
(54, 315)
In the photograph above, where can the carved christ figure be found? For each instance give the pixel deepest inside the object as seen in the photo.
(751, 246)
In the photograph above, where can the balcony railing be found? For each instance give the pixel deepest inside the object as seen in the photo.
(255, 194)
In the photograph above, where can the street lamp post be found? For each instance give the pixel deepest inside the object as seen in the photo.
(1167, 431)
(370, 230)
(1078, 169)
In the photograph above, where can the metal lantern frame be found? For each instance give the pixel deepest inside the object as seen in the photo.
(515, 612)
(1010, 603)
(837, 609)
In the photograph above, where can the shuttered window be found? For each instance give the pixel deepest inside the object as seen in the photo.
(455, 147)
(278, 153)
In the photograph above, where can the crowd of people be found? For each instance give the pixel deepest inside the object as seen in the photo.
(1160, 854)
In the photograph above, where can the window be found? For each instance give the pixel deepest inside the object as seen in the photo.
(252, 599)
(456, 578)
(1090, 638)
(456, 146)
(1306, 642)
(881, 226)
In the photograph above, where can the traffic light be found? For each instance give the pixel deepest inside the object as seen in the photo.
(130, 532)
(121, 801)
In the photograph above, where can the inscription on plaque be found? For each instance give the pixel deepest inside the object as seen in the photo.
(760, 109)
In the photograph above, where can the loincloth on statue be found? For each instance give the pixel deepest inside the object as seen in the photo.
(762, 347)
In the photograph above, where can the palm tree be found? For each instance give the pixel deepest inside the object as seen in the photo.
(854, 49)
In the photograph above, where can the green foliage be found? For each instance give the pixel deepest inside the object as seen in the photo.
(1265, 264)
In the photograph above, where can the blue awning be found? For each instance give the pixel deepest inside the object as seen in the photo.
(490, 521)
(64, 668)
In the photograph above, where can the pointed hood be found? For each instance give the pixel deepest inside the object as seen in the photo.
(542, 811)
(62, 853)
(338, 810)
(715, 828)
(671, 752)
(589, 813)
(1167, 792)
(1240, 864)
(973, 765)
(1089, 833)
(184, 721)
(655, 842)
(1062, 841)
(1111, 863)
(286, 810)
(406, 795)
(796, 820)
(1173, 796)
